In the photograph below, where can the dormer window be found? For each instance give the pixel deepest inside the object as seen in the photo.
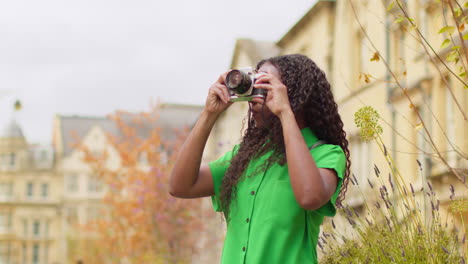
(8, 160)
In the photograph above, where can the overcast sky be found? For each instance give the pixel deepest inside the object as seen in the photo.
(92, 57)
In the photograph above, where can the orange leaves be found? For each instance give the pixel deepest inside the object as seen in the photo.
(375, 57)
(143, 222)
(365, 77)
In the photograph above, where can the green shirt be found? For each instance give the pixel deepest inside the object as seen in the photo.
(267, 224)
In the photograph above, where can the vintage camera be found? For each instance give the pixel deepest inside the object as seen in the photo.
(240, 83)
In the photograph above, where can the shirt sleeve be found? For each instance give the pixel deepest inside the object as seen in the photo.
(218, 168)
(330, 157)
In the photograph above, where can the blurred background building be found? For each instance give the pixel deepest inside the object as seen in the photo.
(48, 192)
(30, 201)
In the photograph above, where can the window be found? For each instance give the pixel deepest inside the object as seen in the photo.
(6, 190)
(5, 222)
(46, 231)
(45, 190)
(25, 227)
(450, 124)
(92, 213)
(35, 254)
(46, 254)
(43, 155)
(361, 161)
(421, 143)
(5, 252)
(423, 18)
(12, 159)
(29, 189)
(72, 182)
(36, 228)
(72, 215)
(94, 184)
(364, 53)
(397, 51)
(24, 253)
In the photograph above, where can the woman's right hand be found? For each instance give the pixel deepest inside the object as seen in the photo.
(218, 99)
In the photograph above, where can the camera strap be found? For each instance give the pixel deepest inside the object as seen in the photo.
(318, 143)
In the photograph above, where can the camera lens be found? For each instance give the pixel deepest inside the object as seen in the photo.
(238, 81)
(233, 79)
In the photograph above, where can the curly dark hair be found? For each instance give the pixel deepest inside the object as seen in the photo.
(310, 96)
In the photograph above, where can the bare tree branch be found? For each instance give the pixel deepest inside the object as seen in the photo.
(440, 60)
(405, 92)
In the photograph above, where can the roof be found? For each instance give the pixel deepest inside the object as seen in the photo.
(169, 117)
(12, 130)
(304, 20)
(76, 127)
(256, 50)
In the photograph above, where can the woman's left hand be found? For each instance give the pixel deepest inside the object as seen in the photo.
(277, 97)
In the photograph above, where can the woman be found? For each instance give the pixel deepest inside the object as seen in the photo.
(276, 186)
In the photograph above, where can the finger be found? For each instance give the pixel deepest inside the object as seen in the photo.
(265, 86)
(264, 78)
(220, 94)
(225, 92)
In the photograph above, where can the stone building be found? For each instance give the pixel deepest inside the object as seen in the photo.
(47, 192)
(30, 201)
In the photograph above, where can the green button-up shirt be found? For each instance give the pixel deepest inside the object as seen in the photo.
(267, 225)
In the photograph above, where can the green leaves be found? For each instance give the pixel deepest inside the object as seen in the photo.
(448, 29)
(445, 44)
(399, 19)
(461, 71)
(390, 6)
(452, 56)
(458, 12)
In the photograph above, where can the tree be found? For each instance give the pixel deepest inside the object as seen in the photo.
(140, 221)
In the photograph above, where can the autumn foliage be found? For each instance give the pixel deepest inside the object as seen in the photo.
(140, 221)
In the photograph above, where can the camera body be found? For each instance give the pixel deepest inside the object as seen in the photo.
(240, 83)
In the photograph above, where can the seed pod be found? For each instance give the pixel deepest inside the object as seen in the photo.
(372, 186)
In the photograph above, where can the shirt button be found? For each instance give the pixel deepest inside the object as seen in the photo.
(243, 249)
(247, 220)
(252, 192)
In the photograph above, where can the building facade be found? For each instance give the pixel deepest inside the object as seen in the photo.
(30, 201)
(47, 193)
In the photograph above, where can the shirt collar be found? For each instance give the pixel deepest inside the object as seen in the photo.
(309, 136)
